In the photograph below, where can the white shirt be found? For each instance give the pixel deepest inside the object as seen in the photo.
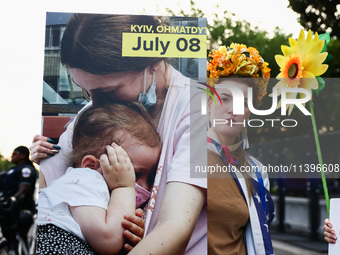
(77, 187)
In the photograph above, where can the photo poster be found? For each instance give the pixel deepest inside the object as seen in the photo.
(179, 41)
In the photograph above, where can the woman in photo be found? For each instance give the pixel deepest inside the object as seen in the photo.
(240, 208)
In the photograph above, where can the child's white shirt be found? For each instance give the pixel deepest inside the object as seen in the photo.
(77, 187)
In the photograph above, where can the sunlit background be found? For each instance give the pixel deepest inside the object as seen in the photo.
(22, 31)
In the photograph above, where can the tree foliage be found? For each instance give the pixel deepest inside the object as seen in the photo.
(333, 48)
(225, 29)
(318, 15)
(5, 164)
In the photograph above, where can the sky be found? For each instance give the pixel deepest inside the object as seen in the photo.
(22, 28)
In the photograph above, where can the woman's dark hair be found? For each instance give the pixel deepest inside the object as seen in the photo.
(97, 127)
(93, 43)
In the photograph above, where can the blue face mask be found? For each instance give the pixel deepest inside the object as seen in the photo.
(149, 98)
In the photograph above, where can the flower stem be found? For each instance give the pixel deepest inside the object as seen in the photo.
(318, 149)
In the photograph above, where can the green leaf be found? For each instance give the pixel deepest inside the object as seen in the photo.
(321, 83)
(329, 56)
(327, 38)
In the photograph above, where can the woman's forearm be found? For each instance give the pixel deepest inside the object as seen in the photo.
(180, 209)
(167, 238)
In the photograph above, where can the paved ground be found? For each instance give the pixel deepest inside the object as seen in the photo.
(282, 248)
(293, 244)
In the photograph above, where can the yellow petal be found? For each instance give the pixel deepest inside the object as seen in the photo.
(322, 56)
(291, 95)
(278, 104)
(308, 81)
(280, 75)
(316, 67)
(309, 38)
(291, 107)
(323, 68)
(281, 84)
(280, 60)
(301, 36)
(286, 50)
(317, 47)
(315, 50)
(309, 41)
(307, 74)
(302, 49)
(314, 59)
(293, 43)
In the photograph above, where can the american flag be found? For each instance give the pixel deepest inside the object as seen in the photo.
(261, 207)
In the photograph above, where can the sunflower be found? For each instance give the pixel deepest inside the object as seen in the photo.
(300, 64)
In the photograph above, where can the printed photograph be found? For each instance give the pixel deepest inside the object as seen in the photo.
(116, 119)
(170, 127)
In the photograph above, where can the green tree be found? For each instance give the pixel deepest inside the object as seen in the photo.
(318, 15)
(333, 48)
(225, 29)
(5, 164)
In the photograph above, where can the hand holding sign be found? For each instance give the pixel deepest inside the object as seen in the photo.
(334, 248)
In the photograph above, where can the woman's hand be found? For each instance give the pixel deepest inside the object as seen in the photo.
(117, 168)
(42, 147)
(134, 225)
(330, 235)
(176, 220)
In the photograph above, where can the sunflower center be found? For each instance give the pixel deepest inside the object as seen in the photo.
(293, 70)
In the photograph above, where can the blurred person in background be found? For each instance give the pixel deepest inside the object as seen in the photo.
(17, 188)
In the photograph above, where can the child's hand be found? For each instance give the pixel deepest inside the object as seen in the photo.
(117, 168)
(134, 229)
